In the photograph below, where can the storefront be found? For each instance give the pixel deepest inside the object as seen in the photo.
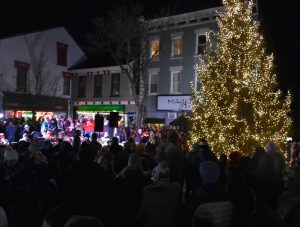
(84, 111)
(18, 105)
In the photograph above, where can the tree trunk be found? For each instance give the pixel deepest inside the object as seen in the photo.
(140, 115)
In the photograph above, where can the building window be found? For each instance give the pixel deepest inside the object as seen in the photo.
(67, 78)
(81, 86)
(115, 84)
(201, 43)
(22, 72)
(177, 46)
(175, 82)
(98, 86)
(153, 83)
(154, 49)
(62, 53)
(66, 90)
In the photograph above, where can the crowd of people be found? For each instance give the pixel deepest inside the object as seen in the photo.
(153, 179)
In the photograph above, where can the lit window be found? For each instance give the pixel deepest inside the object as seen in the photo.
(201, 43)
(153, 84)
(154, 51)
(175, 82)
(177, 46)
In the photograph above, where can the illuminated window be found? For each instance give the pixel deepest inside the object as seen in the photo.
(176, 46)
(153, 83)
(154, 49)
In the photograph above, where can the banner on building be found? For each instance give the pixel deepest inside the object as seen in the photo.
(173, 102)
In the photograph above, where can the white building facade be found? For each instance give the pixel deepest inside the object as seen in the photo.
(34, 71)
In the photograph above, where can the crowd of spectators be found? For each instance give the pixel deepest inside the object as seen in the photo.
(153, 181)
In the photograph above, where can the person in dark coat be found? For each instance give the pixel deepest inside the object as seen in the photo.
(99, 120)
(87, 184)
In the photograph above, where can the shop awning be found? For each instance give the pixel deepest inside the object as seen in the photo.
(154, 120)
(21, 101)
(102, 108)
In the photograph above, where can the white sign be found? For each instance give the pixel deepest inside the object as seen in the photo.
(172, 115)
(174, 103)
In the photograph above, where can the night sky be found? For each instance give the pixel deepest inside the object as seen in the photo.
(279, 23)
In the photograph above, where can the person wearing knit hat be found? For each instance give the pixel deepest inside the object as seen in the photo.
(209, 172)
(161, 174)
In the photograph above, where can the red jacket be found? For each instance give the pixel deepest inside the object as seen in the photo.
(88, 125)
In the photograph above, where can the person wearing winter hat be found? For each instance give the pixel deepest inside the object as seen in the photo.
(162, 195)
(211, 197)
(161, 173)
(209, 172)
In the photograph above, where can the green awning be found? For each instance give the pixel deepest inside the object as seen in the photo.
(102, 108)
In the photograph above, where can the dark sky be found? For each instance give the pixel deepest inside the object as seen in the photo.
(279, 23)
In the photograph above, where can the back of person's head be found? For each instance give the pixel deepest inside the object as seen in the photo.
(3, 218)
(268, 165)
(134, 160)
(271, 147)
(161, 173)
(140, 148)
(85, 153)
(83, 221)
(173, 137)
(202, 141)
(94, 136)
(209, 172)
(59, 215)
(234, 158)
(114, 141)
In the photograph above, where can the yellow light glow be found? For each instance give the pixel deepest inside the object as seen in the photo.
(239, 106)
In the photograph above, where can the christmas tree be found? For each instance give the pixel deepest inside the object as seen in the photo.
(239, 106)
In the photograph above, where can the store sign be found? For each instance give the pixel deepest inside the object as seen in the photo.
(174, 103)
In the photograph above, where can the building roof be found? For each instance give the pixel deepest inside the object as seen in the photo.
(94, 61)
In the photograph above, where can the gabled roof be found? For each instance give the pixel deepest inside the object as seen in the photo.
(21, 33)
(95, 61)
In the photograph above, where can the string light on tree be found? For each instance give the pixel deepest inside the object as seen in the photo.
(239, 106)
